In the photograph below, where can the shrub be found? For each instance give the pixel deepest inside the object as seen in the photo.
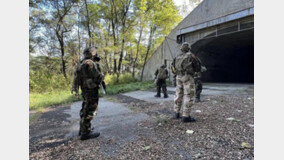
(110, 79)
(40, 82)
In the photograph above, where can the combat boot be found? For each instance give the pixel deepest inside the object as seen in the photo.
(196, 100)
(166, 96)
(187, 119)
(89, 136)
(80, 130)
(157, 95)
(176, 116)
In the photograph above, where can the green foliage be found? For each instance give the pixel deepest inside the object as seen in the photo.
(40, 100)
(120, 30)
(110, 79)
(121, 88)
(41, 82)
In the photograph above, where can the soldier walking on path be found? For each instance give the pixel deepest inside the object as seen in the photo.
(161, 75)
(87, 76)
(185, 66)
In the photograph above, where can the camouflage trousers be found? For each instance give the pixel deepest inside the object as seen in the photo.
(184, 93)
(161, 84)
(89, 106)
(174, 80)
(198, 87)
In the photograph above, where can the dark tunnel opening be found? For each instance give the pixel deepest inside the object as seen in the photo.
(228, 58)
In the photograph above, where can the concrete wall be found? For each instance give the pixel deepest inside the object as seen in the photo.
(206, 11)
(212, 9)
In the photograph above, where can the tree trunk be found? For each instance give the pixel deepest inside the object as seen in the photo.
(88, 24)
(120, 60)
(114, 65)
(152, 30)
(79, 42)
(62, 57)
(137, 51)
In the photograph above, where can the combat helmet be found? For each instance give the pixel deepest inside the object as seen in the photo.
(185, 47)
(89, 52)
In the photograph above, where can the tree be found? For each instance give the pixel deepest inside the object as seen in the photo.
(126, 32)
(58, 11)
(161, 16)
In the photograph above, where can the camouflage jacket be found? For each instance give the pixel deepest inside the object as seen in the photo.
(202, 69)
(87, 76)
(161, 73)
(186, 63)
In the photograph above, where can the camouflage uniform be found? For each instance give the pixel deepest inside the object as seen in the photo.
(197, 82)
(198, 86)
(185, 65)
(87, 76)
(174, 75)
(161, 75)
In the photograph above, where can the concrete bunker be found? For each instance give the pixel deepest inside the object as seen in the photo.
(221, 33)
(228, 58)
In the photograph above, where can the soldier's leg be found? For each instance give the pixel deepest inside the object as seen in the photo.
(178, 97)
(198, 89)
(164, 87)
(188, 100)
(158, 89)
(174, 80)
(81, 114)
(87, 115)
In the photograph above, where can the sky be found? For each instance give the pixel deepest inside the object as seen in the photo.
(185, 6)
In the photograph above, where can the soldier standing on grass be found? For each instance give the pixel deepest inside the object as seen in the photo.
(87, 76)
(161, 75)
(185, 65)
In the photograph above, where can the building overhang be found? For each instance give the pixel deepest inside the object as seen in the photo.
(230, 17)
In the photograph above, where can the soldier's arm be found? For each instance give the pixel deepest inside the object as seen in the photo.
(156, 73)
(76, 82)
(99, 74)
(197, 64)
(167, 73)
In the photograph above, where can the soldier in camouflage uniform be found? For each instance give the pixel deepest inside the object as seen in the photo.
(161, 75)
(198, 83)
(87, 76)
(185, 65)
(174, 75)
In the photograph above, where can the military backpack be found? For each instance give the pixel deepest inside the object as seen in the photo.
(162, 74)
(90, 75)
(184, 64)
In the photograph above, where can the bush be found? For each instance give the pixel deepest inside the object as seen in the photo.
(41, 82)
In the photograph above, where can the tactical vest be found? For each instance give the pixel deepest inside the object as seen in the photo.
(184, 64)
(162, 73)
(90, 75)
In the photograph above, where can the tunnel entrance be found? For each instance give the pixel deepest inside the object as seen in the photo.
(228, 58)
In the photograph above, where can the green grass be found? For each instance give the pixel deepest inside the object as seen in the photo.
(41, 100)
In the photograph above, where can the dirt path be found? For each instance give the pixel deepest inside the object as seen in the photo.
(136, 125)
